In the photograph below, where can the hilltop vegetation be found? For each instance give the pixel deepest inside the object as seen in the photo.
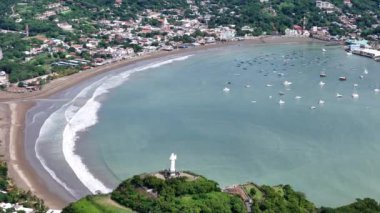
(148, 193)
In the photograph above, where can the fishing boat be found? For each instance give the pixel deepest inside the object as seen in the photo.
(339, 95)
(322, 74)
(281, 102)
(342, 78)
(321, 83)
(226, 89)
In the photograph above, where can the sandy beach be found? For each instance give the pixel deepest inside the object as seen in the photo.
(13, 109)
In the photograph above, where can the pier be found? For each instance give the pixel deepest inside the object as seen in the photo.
(371, 53)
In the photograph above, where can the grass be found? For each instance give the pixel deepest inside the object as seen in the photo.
(99, 204)
(247, 187)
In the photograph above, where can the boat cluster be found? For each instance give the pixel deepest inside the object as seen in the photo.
(288, 61)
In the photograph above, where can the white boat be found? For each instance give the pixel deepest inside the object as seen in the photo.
(339, 95)
(226, 89)
(287, 83)
(377, 90)
(297, 97)
(321, 83)
(247, 86)
(355, 85)
(349, 53)
(313, 107)
(355, 94)
(270, 97)
(361, 76)
(321, 102)
(269, 85)
(281, 102)
(365, 71)
(323, 50)
(253, 102)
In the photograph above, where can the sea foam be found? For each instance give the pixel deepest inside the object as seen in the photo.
(80, 114)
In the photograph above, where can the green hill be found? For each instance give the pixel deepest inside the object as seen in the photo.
(193, 193)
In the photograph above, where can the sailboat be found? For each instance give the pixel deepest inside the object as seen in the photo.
(226, 89)
(377, 89)
(355, 93)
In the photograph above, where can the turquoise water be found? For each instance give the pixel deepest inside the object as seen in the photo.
(331, 153)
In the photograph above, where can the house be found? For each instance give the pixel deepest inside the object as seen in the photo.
(348, 3)
(65, 26)
(325, 5)
(3, 78)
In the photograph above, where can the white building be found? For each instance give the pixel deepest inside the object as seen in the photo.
(324, 5)
(65, 26)
(3, 78)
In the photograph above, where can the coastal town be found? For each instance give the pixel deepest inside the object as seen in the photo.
(114, 40)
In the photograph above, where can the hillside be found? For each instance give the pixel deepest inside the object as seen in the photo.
(193, 193)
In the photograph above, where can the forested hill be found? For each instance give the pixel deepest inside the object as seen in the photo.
(193, 193)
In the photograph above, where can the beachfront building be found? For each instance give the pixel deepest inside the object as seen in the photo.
(3, 79)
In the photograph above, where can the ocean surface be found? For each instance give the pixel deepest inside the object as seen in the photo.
(277, 124)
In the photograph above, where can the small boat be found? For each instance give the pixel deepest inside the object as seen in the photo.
(226, 89)
(361, 76)
(297, 97)
(355, 94)
(323, 50)
(365, 71)
(342, 78)
(313, 107)
(247, 86)
(339, 95)
(377, 90)
(281, 93)
(321, 83)
(287, 83)
(269, 85)
(281, 102)
(270, 97)
(349, 53)
(322, 74)
(321, 102)
(253, 102)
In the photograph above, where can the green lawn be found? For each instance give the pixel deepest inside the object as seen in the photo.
(99, 204)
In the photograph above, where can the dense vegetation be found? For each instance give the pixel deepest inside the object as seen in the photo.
(11, 194)
(147, 193)
(175, 195)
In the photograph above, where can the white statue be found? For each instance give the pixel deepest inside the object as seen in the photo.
(172, 159)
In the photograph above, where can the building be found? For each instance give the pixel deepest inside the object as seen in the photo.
(324, 5)
(3, 78)
(65, 26)
(348, 3)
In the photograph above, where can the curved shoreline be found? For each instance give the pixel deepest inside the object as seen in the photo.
(17, 105)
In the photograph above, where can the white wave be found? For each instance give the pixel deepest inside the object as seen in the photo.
(80, 117)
